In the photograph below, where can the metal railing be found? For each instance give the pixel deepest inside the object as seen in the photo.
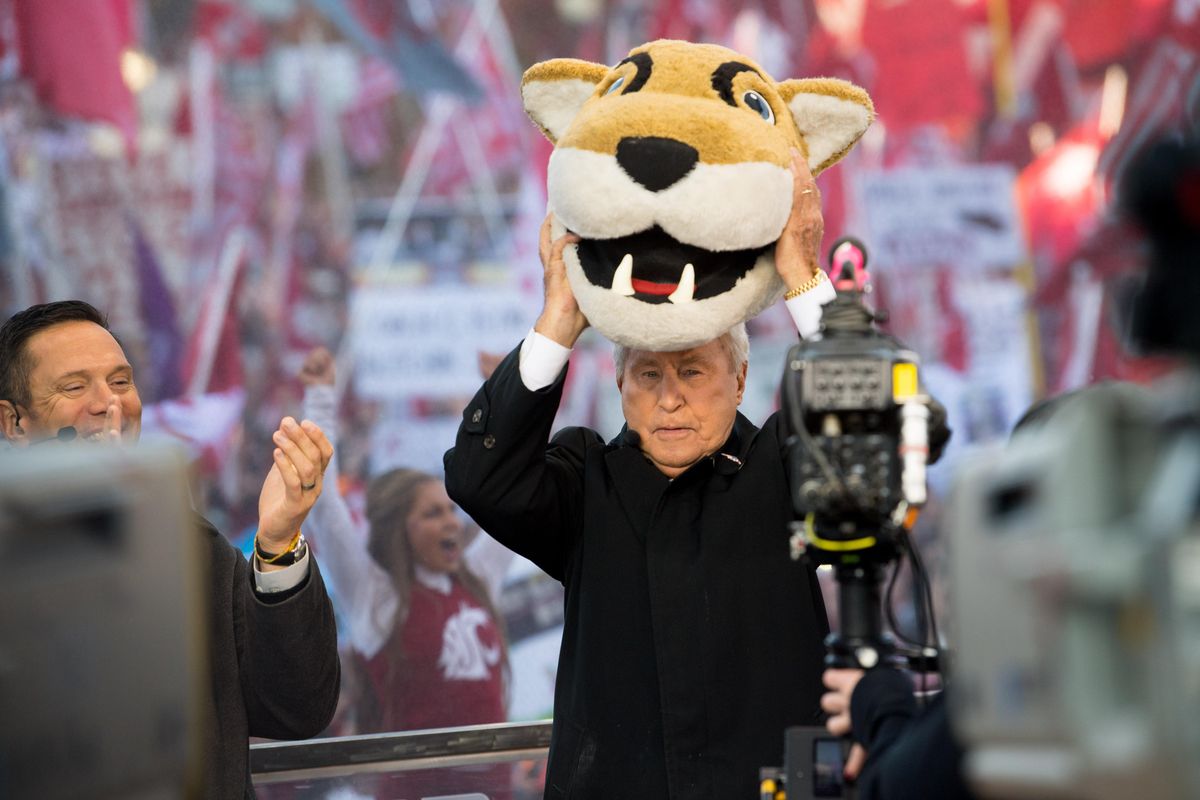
(277, 762)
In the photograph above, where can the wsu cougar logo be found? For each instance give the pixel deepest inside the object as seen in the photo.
(464, 656)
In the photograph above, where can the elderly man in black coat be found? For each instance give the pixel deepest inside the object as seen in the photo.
(691, 639)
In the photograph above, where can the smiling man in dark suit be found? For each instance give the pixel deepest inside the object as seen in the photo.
(273, 659)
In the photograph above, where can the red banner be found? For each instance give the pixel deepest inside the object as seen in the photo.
(73, 58)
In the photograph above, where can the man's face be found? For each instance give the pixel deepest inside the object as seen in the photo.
(78, 368)
(682, 404)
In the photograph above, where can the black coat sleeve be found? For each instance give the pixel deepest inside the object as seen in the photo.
(522, 489)
(909, 754)
(276, 653)
(291, 674)
(776, 428)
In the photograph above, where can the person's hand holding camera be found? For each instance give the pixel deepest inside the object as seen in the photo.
(836, 703)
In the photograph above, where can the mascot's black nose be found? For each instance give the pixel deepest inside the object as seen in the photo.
(655, 162)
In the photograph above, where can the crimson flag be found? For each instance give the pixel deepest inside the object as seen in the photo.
(1099, 32)
(232, 31)
(922, 75)
(212, 360)
(71, 53)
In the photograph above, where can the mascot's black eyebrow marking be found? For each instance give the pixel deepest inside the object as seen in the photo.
(722, 79)
(644, 63)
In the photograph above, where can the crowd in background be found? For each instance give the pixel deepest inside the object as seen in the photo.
(229, 180)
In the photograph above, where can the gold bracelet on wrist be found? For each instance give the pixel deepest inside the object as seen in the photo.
(290, 554)
(816, 280)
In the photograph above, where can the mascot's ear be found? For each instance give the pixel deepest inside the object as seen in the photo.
(554, 91)
(831, 114)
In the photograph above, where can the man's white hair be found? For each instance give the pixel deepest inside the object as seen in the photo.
(735, 341)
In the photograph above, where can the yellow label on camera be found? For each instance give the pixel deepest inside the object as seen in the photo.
(904, 382)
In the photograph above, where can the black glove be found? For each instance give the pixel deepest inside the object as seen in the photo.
(939, 431)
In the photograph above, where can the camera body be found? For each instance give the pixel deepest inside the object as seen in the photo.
(858, 426)
(849, 395)
(815, 762)
(1074, 557)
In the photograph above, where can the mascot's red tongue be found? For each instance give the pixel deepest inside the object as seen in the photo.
(650, 287)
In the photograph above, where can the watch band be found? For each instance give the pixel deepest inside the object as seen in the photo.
(294, 553)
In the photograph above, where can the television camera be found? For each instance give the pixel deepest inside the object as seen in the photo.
(860, 429)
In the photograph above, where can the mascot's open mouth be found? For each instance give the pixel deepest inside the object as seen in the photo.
(654, 267)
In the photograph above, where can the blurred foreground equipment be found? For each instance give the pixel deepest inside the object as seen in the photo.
(1075, 572)
(101, 628)
(1075, 563)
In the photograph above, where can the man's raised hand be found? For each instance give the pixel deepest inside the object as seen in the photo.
(561, 319)
(301, 454)
(319, 368)
(798, 251)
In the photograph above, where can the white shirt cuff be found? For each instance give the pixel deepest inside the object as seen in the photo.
(541, 360)
(806, 308)
(280, 580)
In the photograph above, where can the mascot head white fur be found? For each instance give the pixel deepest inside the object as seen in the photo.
(674, 169)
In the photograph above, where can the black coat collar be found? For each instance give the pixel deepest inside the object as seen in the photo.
(640, 485)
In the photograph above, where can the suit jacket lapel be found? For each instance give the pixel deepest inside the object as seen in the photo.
(637, 482)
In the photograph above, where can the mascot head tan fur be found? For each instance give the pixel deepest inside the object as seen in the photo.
(674, 169)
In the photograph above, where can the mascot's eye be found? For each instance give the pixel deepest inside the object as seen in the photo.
(755, 102)
(617, 84)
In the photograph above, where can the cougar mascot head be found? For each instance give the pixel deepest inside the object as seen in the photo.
(673, 168)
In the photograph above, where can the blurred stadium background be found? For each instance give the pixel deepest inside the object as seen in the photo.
(238, 182)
